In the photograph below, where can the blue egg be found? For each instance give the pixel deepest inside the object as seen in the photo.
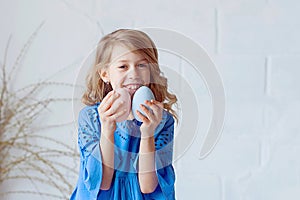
(140, 96)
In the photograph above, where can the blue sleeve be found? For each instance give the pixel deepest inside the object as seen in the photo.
(91, 162)
(164, 153)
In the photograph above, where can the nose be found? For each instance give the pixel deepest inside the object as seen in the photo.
(133, 72)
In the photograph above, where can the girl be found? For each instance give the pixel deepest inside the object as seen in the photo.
(129, 159)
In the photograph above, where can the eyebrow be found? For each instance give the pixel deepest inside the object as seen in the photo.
(143, 59)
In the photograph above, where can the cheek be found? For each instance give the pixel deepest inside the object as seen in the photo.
(113, 79)
(146, 76)
(117, 80)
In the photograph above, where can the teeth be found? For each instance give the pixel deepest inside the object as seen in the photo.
(133, 87)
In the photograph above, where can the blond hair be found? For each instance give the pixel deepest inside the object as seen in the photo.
(137, 41)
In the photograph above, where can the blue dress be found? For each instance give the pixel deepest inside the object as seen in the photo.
(125, 185)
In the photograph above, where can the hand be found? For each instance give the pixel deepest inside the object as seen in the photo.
(109, 111)
(151, 119)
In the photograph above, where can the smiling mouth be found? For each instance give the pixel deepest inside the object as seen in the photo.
(132, 88)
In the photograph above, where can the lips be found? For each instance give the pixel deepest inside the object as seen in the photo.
(131, 88)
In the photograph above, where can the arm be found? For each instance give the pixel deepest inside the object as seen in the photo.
(108, 112)
(147, 174)
(107, 153)
(164, 135)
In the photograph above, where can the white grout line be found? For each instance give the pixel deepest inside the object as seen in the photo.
(267, 88)
(222, 188)
(217, 31)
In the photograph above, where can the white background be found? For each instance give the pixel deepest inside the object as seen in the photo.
(255, 46)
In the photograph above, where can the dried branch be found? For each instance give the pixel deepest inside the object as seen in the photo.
(22, 147)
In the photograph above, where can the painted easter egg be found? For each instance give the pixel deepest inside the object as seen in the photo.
(125, 97)
(140, 96)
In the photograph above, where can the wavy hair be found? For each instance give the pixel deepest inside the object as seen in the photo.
(137, 41)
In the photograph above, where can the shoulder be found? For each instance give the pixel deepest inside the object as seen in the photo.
(169, 118)
(166, 122)
(88, 112)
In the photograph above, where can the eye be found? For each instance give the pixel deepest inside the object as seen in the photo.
(122, 67)
(142, 65)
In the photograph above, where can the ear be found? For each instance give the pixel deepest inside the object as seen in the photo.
(104, 75)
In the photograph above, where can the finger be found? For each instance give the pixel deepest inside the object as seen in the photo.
(112, 98)
(147, 112)
(103, 106)
(160, 104)
(108, 96)
(151, 104)
(114, 108)
(156, 112)
(141, 116)
(154, 107)
(118, 114)
(109, 102)
(114, 116)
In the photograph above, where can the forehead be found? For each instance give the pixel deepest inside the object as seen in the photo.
(120, 52)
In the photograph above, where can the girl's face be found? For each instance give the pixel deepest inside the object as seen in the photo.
(128, 70)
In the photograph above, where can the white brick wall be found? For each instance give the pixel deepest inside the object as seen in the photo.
(256, 47)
